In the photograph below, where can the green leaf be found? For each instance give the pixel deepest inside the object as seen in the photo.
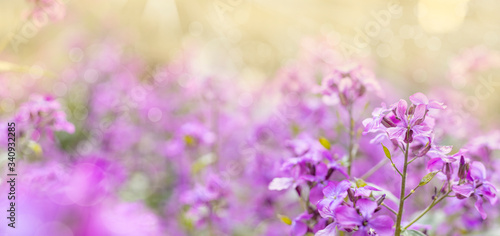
(203, 162)
(412, 232)
(35, 147)
(386, 151)
(427, 178)
(325, 143)
(189, 140)
(285, 219)
(360, 183)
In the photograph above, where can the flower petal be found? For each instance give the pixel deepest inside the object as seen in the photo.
(327, 231)
(437, 105)
(479, 207)
(365, 191)
(382, 225)
(397, 133)
(419, 115)
(421, 131)
(477, 171)
(361, 232)
(401, 110)
(315, 194)
(343, 186)
(327, 207)
(366, 207)
(333, 190)
(298, 228)
(280, 183)
(348, 217)
(463, 191)
(419, 98)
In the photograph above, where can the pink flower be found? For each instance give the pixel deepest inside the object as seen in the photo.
(362, 218)
(334, 195)
(477, 188)
(348, 84)
(44, 114)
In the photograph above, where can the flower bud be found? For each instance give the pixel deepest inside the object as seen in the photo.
(387, 122)
(448, 170)
(350, 193)
(361, 91)
(343, 99)
(435, 193)
(411, 110)
(299, 190)
(409, 136)
(380, 200)
(463, 169)
(424, 150)
(395, 114)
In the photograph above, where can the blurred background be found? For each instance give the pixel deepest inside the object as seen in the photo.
(448, 49)
(409, 43)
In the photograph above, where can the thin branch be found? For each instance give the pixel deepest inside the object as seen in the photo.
(435, 202)
(394, 166)
(411, 192)
(390, 209)
(403, 186)
(351, 140)
(415, 158)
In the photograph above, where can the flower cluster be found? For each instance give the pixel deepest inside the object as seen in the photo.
(43, 114)
(347, 84)
(130, 150)
(351, 204)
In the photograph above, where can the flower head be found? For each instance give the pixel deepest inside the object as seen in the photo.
(361, 219)
(334, 195)
(477, 188)
(401, 122)
(346, 85)
(44, 114)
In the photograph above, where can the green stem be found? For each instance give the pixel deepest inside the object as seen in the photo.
(412, 160)
(402, 196)
(412, 191)
(435, 202)
(351, 141)
(390, 209)
(394, 166)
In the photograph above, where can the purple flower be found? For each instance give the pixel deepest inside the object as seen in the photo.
(378, 123)
(305, 149)
(44, 114)
(405, 123)
(346, 85)
(196, 133)
(411, 124)
(214, 189)
(281, 183)
(362, 219)
(334, 196)
(483, 146)
(306, 165)
(329, 230)
(420, 98)
(364, 191)
(442, 162)
(477, 188)
(299, 228)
